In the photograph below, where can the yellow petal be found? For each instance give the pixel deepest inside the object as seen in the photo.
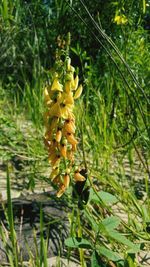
(66, 180)
(71, 139)
(78, 177)
(54, 173)
(75, 83)
(68, 86)
(52, 156)
(55, 161)
(69, 126)
(65, 110)
(78, 92)
(74, 147)
(61, 191)
(46, 95)
(53, 123)
(58, 135)
(68, 64)
(55, 110)
(63, 150)
(56, 86)
(68, 99)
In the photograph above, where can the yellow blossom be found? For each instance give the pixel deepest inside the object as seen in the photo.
(56, 86)
(63, 150)
(78, 92)
(69, 126)
(78, 177)
(75, 83)
(58, 135)
(71, 139)
(61, 191)
(54, 173)
(120, 19)
(66, 180)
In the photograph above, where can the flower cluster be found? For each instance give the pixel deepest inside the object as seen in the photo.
(60, 124)
(120, 19)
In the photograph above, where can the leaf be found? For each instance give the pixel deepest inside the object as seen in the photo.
(122, 239)
(110, 223)
(92, 221)
(97, 260)
(109, 254)
(94, 260)
(106, 197)
(134, 250)
(77, 242)
(144, 6)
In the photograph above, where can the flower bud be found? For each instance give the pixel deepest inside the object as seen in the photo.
(66, 180)
(78, 92)
(78, 177)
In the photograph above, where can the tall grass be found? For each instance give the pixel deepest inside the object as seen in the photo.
(112, 123)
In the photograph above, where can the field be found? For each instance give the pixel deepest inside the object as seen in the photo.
(74, 133)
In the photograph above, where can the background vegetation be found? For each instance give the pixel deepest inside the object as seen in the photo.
(110, 48)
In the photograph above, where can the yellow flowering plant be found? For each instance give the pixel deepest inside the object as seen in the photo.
(60, 140)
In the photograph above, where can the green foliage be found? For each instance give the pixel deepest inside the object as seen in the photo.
(112, 118)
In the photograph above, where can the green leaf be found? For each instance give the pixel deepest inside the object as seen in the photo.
(109, 254)
(92, 221)
(144, 6)
(110, 223)
(77, 242)
(94, 260)
(106, 197)
(97, 261)
(122, 239)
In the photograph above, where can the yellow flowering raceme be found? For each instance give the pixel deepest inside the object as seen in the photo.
(59, 137)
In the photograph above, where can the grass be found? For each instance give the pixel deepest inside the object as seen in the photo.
(113, 226)
(109, 222)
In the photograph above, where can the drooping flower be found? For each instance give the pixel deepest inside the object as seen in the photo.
(78, 177)
(78, 92)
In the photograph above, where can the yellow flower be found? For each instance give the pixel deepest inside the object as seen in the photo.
(66, 180)
(54, 173)
(55, 110)
(69, 126)
(58, 135)
(67, 98)
(68, 86)
(78, 177)
(56, 86)
(120, 19)
(78, 92)
(46, 95)
(65, 109)
(61, 191)
(75, 83)
(55, 161)
(71, 139)
(63, 150)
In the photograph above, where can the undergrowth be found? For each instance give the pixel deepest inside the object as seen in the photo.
(109, 221)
